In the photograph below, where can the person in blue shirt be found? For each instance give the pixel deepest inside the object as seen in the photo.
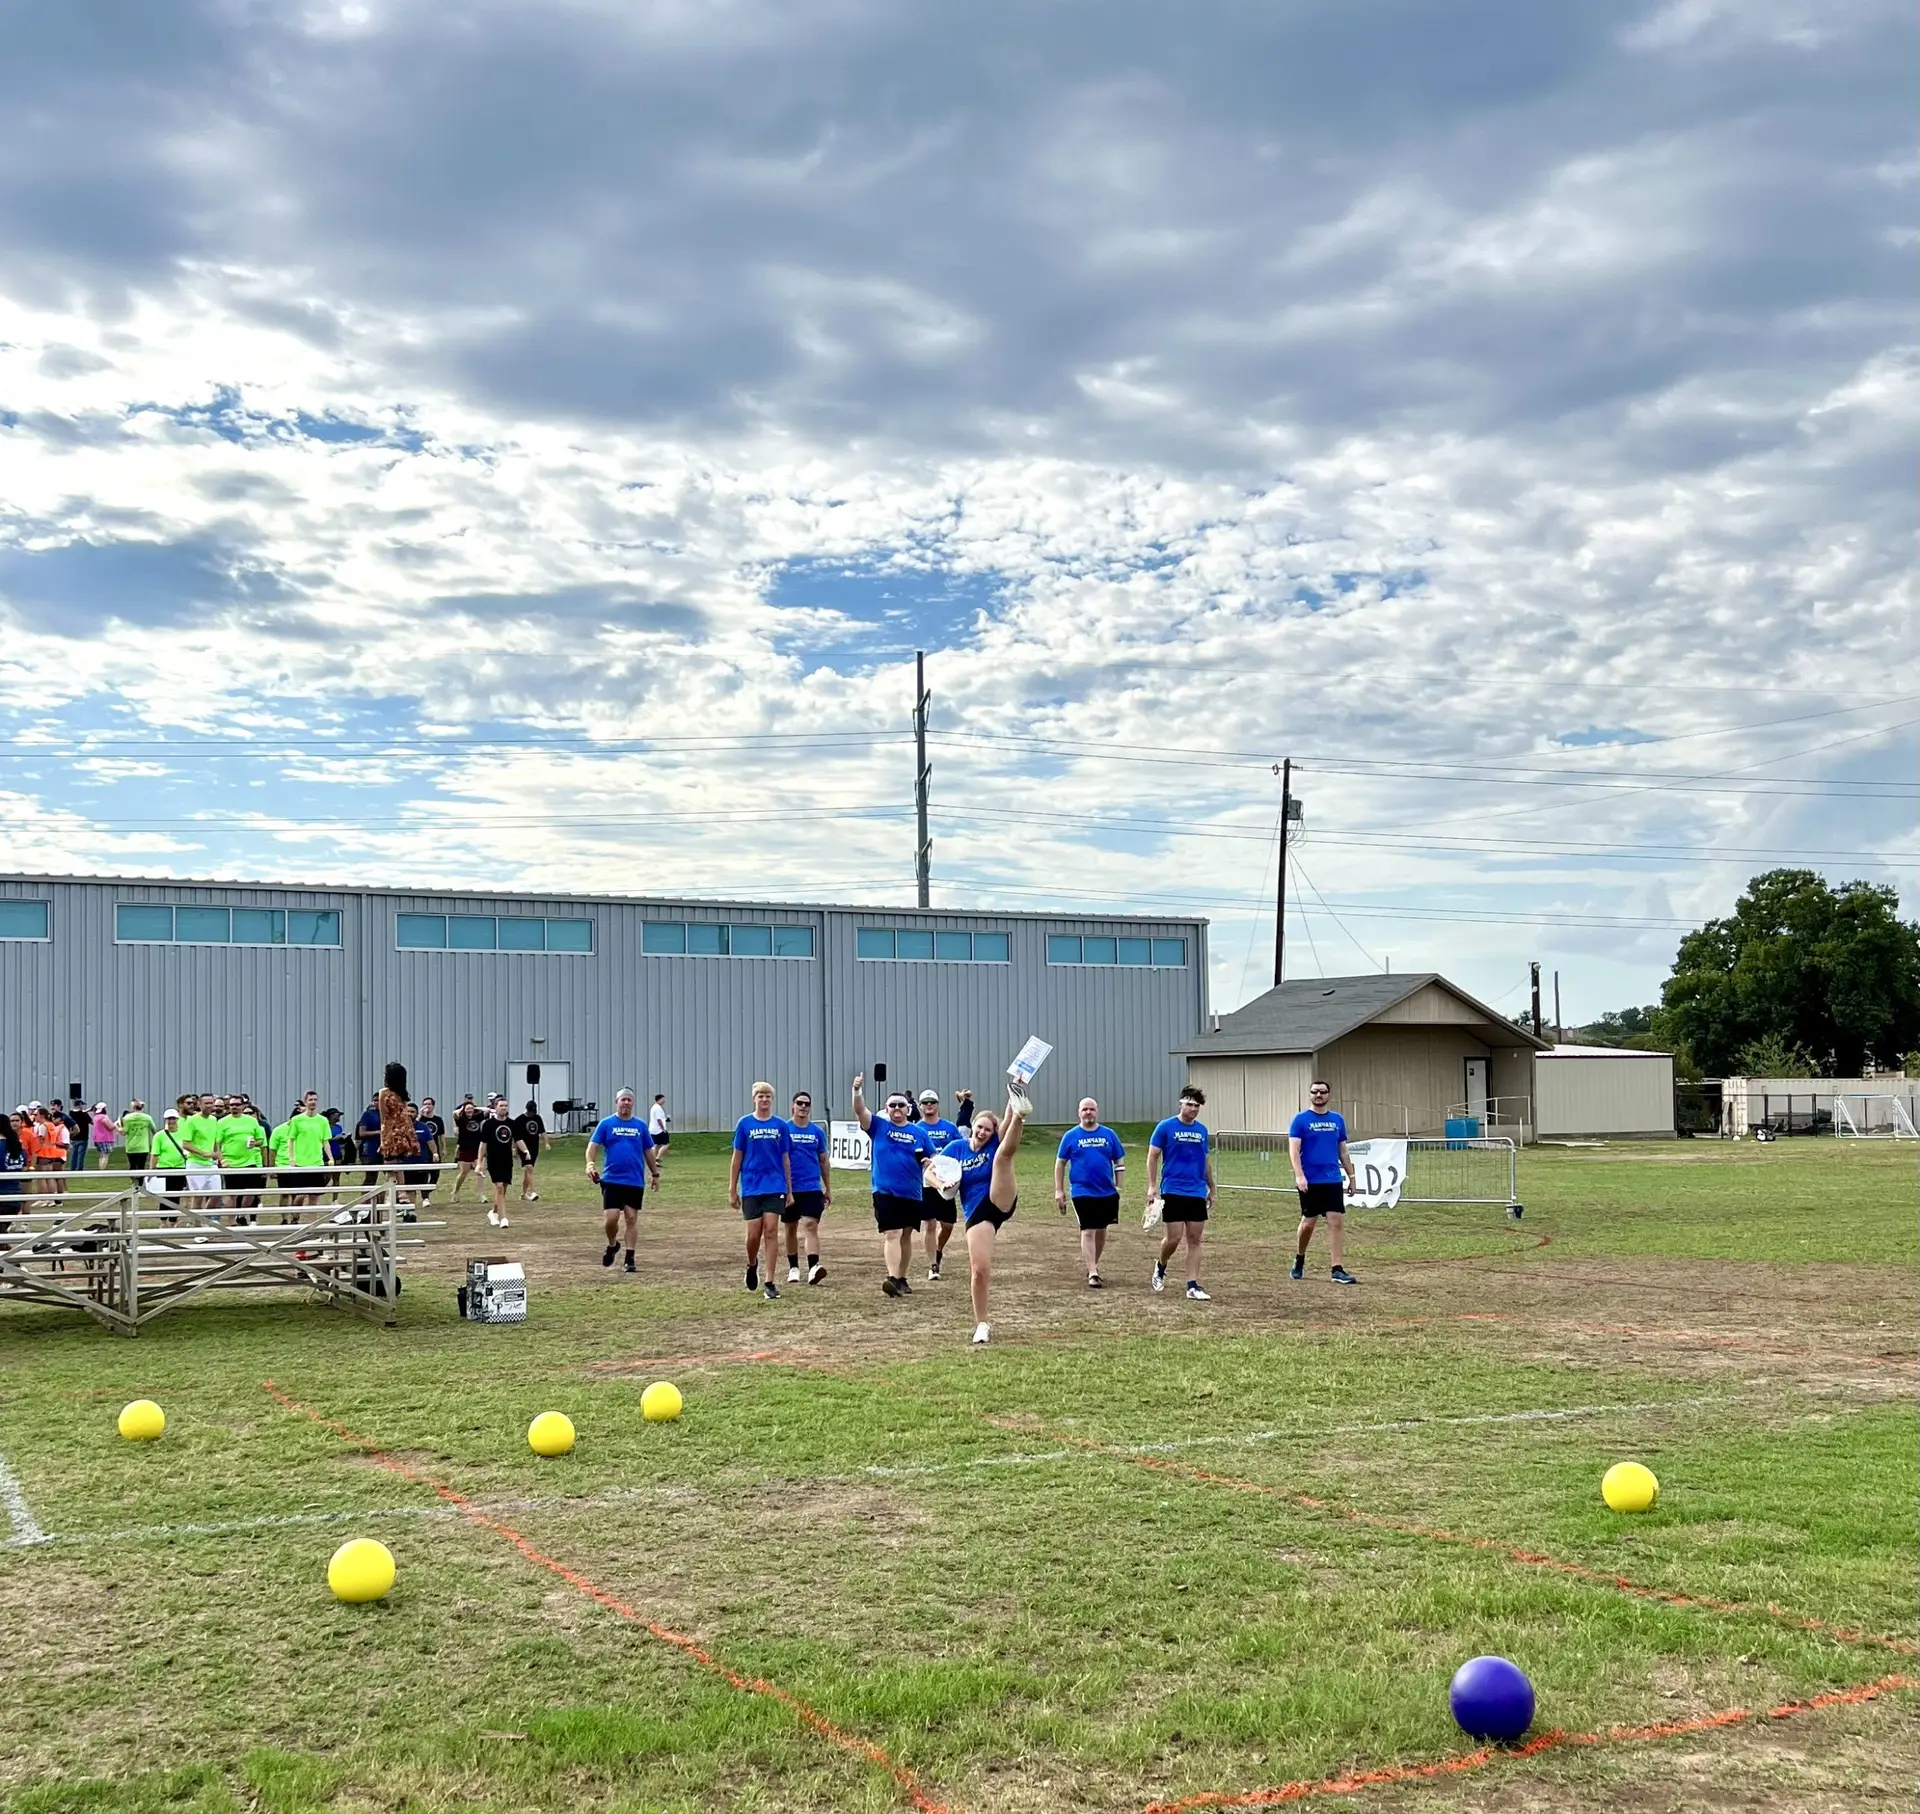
(987, 1195)
(937, 1211)
(1091, 1165)
(760, 1184)
(367, 1132)
(901, 1150)
(622, 1161)
(1180, 1179)
(1322, 1174)
(812, 1175)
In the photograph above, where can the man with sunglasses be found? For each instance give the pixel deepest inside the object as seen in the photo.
(812, 1190)
(901, 1150)
(1322, 1174)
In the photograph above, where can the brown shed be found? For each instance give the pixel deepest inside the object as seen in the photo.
(1402, 1053)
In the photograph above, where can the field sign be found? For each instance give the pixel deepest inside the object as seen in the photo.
(848, 1148)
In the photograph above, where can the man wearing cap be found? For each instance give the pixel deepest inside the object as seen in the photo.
(937, 1209)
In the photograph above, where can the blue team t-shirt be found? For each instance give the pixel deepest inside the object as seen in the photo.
(762, 1145)
(897, 1152)
(807, 1154)
(1320, 1132)
(942, 1133)
(976, 1175)
(1091, 1154)
(1184, 1146)
(623, 1141)
(368, 1129)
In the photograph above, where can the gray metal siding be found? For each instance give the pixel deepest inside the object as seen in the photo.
(152, 1020)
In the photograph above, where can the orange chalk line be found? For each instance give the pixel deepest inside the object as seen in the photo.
(862, 1748)
(1532, 1558)
(1533, 1747)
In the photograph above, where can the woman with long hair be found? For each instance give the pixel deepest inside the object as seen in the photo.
(988, 1194)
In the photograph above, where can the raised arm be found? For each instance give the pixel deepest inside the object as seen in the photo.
(861, 1113)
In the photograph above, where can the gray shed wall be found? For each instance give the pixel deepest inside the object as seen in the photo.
(153, 1020)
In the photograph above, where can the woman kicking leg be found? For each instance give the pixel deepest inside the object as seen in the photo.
(988, 1197)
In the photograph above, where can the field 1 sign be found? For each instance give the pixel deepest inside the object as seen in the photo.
(849, 1149)
(1379, 1169)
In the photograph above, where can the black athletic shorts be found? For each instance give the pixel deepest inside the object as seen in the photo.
(1097, 1212)
(240, 1180)
(807, 1206)
(622, 1196)
(1183, 1209)
(663, 1139)
(893, 1214)
(936, 1208)
(289, 1180)
(990, 1214)
(532, 1144)
(755, 1204)
(1323, 1200)
(500, 1164)
(420, 1179)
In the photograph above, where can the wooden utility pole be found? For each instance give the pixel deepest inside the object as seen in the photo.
(1537, 1023)
(1280, 905)
(922, 779)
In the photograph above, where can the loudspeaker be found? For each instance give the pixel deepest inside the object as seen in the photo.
(880, 1072)
(533, 1075)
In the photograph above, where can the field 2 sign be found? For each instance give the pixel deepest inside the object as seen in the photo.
(1379, 1170)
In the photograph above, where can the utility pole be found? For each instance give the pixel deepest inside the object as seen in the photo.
(1289, 812)
(1537, 1021)
(923, 776)
(1559, 1032)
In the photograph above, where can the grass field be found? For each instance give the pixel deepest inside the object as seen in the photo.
(1139, 1552)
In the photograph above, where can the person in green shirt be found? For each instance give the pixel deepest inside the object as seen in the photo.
(200, 1142)
(169, 1159)
(308, 1135)
(237, 1136)
(280, 1159)
(136, 1134)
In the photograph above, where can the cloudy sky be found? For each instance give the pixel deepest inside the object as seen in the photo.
(525, 444)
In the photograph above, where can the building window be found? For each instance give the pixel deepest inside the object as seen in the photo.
(487, 932)
(135, 923)
(914, 945)
(23, 919)
(1159, 953)
(701, 938)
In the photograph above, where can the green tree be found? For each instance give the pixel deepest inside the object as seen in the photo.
(1832, 971)
(1617, 1027)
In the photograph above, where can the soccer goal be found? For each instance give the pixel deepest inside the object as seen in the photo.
(1437, 1171)
(1873, 1117)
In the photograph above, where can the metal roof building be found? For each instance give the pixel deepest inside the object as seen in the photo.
(139, 987)
(1402, 1053)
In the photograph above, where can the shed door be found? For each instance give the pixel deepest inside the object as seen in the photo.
(1477, 1087)
(555, 1085)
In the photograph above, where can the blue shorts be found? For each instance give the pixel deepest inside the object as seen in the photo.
(762, 1203)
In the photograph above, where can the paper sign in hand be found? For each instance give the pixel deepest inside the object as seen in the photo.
(1030, 1058)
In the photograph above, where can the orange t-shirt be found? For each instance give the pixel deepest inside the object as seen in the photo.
(30, 1141)
(54, 1140)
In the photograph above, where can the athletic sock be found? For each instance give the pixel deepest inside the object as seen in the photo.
(813, 1260)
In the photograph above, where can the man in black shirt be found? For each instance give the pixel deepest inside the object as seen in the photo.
(499, 1147)
(467, 1121)
(527, 1129)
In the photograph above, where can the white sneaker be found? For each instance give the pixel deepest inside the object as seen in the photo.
(933, 1274)
(793, 1275)
(529, 1196)
(980, 1334)
(504, 1223)
(817, 1275)
(494, 1219)
(1159, 1279)
(1198, 1296)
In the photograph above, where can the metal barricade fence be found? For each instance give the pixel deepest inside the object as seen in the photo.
(1484, 1170)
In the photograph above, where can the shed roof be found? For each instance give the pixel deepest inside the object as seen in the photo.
(1310, 1013)
(1572, 1051)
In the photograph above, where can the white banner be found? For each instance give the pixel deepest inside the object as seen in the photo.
(848, 1148)
(1379, 1169)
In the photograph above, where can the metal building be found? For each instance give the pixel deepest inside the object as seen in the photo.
(148, 988)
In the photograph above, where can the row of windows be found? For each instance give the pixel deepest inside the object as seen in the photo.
(142, 924)
(139, 924)
(23, 919)
(1167, 953)
(911, 944)
(486, 932)
(697, 938)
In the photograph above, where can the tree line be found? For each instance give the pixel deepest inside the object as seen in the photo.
(1802, 979)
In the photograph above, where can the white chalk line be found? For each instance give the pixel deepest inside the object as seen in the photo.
(29, 1534)
(26, 1528)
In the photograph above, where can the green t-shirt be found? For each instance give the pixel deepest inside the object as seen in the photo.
(239, 1138)
(277, 1143)
(167, 1151)
(307, 1137)
(137, 1131)
(200, 1139)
